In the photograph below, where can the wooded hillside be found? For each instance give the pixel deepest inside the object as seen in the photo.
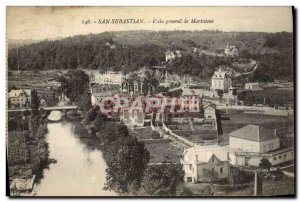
(131, 50)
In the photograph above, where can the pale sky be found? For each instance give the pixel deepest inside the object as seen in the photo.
(39, 23)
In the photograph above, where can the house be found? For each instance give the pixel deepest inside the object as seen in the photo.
(205, 164)
(99, 91)
(171, 55)
(209, 111)
(135, 87)
(221, 80)
(252, 86)
(252, 143)
(231, 51)
(19, 98)
(253, 138)
(135, 117)
(109, 77)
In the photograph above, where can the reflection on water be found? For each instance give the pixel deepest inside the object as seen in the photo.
(79, 171)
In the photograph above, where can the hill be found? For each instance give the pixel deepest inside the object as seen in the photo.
(129, 50)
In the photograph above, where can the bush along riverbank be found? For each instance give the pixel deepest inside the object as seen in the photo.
(27, 152)
(128, 172)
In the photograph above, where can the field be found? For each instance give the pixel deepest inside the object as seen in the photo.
(161, 150)
(238, 119)
(30, 79)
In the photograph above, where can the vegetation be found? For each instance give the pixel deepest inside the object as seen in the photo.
(127, 165)
(74, 84)
(17, 148)
(265, 164)
(128, 172)
(273, 52)
(162, 180)
(270, 97)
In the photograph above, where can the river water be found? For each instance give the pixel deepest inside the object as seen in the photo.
(79, 171)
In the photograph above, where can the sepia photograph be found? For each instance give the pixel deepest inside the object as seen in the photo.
(177, 102)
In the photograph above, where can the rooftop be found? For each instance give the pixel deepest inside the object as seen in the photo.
(253, 133)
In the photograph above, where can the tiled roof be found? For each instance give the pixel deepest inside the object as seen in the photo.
(254, 133)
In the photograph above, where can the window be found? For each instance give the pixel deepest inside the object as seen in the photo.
(275, 158)
(213, 159)
(279, 157)
(221, 170)
(284, 155)
(190, 166)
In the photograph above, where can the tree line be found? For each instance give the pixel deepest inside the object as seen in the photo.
(108, 51)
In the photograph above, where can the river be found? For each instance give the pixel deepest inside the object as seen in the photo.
(79, 171)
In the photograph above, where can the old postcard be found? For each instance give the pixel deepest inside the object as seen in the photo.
(150, 101)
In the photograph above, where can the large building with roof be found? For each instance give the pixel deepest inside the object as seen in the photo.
(252, 143)
(253, 138)
(247, 147)
(221, 80)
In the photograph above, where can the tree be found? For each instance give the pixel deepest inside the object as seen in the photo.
(265, 164)
(74, 85)
(126, 166)
(35, 103)
(162, 180)
(220, 93)
(110, 132)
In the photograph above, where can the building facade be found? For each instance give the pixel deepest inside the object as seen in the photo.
(231, 51)
(205, 164)
(19, 98)
(109, 77)
(171, 55)
(252, 143)
(221, 80)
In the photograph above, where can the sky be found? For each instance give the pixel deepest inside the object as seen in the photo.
(38, 23)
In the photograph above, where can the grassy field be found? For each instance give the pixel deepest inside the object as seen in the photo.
(29, 79)
(161, 150)
(163, 153)
(284, 125)
(284, 186)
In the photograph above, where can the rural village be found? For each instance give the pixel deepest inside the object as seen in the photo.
(238, 139)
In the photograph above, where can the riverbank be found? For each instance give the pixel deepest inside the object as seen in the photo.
(78, 160)
(27, 157)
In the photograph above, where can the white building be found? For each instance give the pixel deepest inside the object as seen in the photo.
(171, 55)
(209, 111)
(205, 164)
(252, 143)
(19, 98)
(247, 147)
(231, 51)
(253, 138)
(221, 80)
(109, 77)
